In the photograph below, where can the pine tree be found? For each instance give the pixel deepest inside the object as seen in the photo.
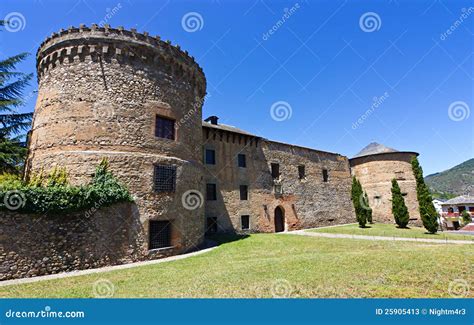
(356, 195)
(12, 84)
(399, 208)
(428, 213)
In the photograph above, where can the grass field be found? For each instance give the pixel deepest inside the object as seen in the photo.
(386, 230)
(268, 265)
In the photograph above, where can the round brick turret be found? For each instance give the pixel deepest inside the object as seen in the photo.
(103, 92)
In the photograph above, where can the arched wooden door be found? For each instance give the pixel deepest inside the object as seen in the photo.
(279, 220)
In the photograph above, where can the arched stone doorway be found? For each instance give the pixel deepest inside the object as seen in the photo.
(279, 219)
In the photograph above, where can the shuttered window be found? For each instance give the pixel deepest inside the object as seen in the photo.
(164, 179)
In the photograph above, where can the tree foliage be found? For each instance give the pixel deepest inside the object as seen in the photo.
(12, 123)
(428, 213)
(361, 203)
(399, 208)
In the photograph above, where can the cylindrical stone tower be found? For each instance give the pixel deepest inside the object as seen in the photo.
(375, 167)
(135, 100)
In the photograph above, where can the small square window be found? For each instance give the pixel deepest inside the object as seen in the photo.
(245, 222)
(301, 172)
(244, 192)
(164, 178)
(210, 157)
(164, 128)
(211, 192)
(211, 226)
(325, 175)
(275, 170)
(242, 160)
(160, 234)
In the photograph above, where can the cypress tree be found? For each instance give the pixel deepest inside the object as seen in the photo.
(428, 213)
(399, 208)
(356, 195)
(368, 208)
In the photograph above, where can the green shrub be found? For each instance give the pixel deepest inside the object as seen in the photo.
(466, 217)
(357, 196)
(399, 208)
(53, 194)
(428, 213)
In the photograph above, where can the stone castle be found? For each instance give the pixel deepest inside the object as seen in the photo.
(137, 100)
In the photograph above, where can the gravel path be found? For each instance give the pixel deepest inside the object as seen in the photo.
(419, 240)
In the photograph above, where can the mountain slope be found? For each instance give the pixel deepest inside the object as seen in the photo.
(456, 181)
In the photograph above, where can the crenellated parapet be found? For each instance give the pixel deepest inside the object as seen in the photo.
(125, 46)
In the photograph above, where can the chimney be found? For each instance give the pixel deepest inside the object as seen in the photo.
(212, 119)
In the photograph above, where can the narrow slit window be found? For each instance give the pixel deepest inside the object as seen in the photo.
(244, 194)
(325, 176)
(245, 222)
(301, 172)
(275, 170)
(211, 192)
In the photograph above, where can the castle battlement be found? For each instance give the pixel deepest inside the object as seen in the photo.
(107, 43)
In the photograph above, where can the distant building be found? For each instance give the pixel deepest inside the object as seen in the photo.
(437, 204)
(452, 210)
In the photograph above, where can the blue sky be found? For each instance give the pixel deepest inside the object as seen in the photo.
(325, 63)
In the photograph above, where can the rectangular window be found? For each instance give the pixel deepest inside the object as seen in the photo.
(164, 179)
(160, 234)
(241, 160)
(245, 222)
(164, 128)
(210, 157)
(275, 170)
(325, 175)
(301, 172)
(211, 192)
(211, 226)
(244, 192)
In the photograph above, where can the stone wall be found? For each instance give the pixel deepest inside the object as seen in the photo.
(375, 174)
(306, 203)
(33, 245)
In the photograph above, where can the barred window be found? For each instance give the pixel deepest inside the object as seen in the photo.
(245, 222)
(211, 192)
(160, 234)
(164, 128)
(164, 179)
(241, 160)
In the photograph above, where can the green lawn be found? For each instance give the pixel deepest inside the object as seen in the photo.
(386, 230)
(265, 265)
